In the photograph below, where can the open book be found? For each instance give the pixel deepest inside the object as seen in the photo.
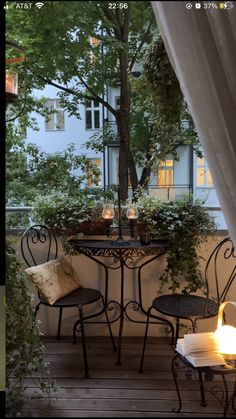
(200, 349)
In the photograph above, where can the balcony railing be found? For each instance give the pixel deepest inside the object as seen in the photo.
(19, 218)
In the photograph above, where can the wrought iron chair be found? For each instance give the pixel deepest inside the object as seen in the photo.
(195, 307)
(39, 245)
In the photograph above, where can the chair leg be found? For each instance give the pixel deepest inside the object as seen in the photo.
(83, 341)
(109, 326)
(59, 323)
(176, 331)
(74, 331)
(37, 309)
(145, 340)
(202, 391)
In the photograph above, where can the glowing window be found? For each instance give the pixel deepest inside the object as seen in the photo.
(203, 177)
(94, 179)
(166, 173)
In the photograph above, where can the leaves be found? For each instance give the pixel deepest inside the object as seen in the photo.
(185, 224)
(24, 349)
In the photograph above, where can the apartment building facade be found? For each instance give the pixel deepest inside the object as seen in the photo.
(174, 179)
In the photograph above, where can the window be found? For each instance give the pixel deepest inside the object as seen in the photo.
(92, 113)
(166, 173)
(55, 121)
(94, 42)
(94, 179)
(204, 178)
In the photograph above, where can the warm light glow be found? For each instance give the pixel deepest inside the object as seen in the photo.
(108, 212)
(11, 82)
(226, 335)
(132, 213)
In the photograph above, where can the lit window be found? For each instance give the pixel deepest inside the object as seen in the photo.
(94, 179)
(92, 114)
(204, 178)
(166, 173)
(55, 121)
(94, 42)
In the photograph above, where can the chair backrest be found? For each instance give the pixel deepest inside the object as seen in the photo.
(38, 245)
(220, 271)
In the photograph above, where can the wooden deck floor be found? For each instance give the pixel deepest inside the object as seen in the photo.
(117, 391)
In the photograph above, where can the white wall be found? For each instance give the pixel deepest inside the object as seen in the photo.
(56, 141)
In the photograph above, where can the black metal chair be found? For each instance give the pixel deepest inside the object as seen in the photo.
(195, 307)
(39, 245)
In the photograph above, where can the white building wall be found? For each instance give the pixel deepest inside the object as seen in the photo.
(51, 141)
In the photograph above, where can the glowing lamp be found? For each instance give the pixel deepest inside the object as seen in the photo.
(226, 335)
(17, 54)
(108, 214)
(11, 86)
(132, 215)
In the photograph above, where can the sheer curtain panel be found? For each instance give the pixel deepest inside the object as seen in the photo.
(201, 45)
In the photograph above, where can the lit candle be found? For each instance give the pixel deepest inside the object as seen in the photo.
(108, 212)
(132, 213)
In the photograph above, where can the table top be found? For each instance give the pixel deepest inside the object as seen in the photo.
(118, 247)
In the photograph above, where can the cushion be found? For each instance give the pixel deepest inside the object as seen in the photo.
(54, 279)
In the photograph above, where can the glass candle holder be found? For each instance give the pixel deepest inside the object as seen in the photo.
(108, 214)
(132, 215)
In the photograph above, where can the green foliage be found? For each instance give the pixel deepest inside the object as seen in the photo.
(36, 171)
(161, 75)
(160, 120)
(62, 212)
(24, 349)
(185, 224)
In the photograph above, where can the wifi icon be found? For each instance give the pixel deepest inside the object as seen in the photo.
(39, 5)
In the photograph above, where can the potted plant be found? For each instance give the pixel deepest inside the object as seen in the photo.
(185, 224)
(66, 214)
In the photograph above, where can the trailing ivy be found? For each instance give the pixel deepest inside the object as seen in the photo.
(24, 348)
(161, 75)
(185, 224)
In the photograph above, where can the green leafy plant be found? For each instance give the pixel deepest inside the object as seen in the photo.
(64, 213)
(24, 348)
(185, 224)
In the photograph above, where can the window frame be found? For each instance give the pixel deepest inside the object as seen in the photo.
(89, 182)
(206, 173)
(92, 109)
(54, 115)
(165, 168)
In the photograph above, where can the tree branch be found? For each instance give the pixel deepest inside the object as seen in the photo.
(93, 96)
(140, 45)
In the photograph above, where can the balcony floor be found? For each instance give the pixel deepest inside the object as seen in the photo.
(117, 391)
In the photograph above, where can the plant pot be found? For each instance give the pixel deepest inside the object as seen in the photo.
(144, 234)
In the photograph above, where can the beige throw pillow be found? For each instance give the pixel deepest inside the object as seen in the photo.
(54, 279)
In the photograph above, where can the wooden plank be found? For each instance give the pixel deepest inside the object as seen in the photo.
(117, 391)
(91, 413)
(147, 394)
(123, 405)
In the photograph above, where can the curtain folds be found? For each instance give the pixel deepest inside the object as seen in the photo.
(201, 45)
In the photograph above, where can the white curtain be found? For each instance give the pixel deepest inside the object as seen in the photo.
(201, 45)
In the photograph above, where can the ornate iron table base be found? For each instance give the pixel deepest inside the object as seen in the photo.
(123, 254)
(221, 393)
